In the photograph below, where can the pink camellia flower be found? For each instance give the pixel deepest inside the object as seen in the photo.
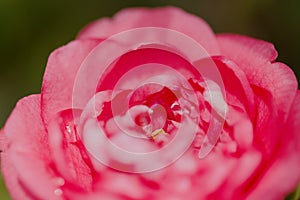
(151, 104)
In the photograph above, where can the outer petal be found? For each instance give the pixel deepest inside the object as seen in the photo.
(255, 57)
(2, 141)
(60, 74)
(283, 175)
(26, 159)
(166, 17)
(280, 81)
(7, 168)
(247, 52)
(17, 191)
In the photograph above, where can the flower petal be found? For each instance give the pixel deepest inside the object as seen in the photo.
(28, 151)
(69, 154)
(255, 58)
(166, 17)
(236, 84)
(2, 141)
(285, 169)
(245, 51)
(11, 179)
(60, 75)
(280, 81)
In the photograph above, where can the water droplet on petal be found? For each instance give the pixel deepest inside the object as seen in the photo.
(68, 129)
(59, 181)
(58, 192)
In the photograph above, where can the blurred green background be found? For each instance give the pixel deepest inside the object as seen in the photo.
(31, 29)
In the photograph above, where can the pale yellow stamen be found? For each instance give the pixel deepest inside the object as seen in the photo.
(157, 132)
